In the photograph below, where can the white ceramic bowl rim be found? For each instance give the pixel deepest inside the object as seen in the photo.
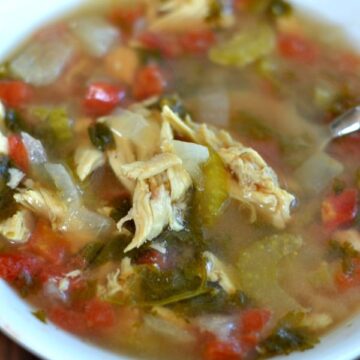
(51, 343)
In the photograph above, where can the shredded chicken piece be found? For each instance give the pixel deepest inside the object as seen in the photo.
(87, 160)
(218, 272)
(116, 280)
(17, 228)
(161, 184)
(123, 154)
(44, 203)
(253, 183)
(142, 170)
(177, 15)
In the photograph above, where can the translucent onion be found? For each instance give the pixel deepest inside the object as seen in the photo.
(42, 62)
(64, 182)
(192, 156)
(34, 148)
(317, 172)
(96, 34)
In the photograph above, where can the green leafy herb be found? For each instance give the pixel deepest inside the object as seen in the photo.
(278, 8)
(40, 315)
(100, 252)
(214, 301)
(338, 186)
(147, 56)
(101, 136)
(13, 121)
(345, 252)
(288, 336)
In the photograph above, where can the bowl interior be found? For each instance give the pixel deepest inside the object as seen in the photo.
(49, 342)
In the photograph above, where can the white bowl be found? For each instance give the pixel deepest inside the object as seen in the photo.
(18, 18)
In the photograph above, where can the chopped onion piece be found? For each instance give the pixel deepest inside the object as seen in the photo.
(63, 182)
(16, 176)
(34, 148)
(318, 171)
(142, 132)
(213, 107)
(192, 156)
(42, 62)
(82, 219)
(97, 35)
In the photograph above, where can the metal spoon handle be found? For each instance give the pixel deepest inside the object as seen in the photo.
(346, 123)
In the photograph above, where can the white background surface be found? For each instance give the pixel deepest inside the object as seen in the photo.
(17, 20)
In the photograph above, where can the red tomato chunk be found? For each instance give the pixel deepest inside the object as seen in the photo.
(15, 93)
(198, 42)
(296, 47)
(101, 98)
(149, 81)
(218, 350)
(18, 153)
(13, 266)
(338, 210)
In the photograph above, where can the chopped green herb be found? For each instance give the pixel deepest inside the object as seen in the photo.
(13, 121)
(40, 315)
(289, 335)
(4, 71)
(345, 252)
(278, 8)
(147, 56)
(214, 301)
(338, 186)
(101, 136)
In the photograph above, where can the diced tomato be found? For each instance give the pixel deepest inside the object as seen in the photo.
(197, 41)
(101, 98)
(254, 320)
(99, 314)
(295, 47)
(152, 257)
(167, 45)
(50, 245)
(348, 281)
(126, 17)
(149, 81)
(14, 266)
(15, 93)
(68, 319)
(218, 350)
(338, 210)
(18, 153)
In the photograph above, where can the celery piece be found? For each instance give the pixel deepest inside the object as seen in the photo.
(259, 267)
(57, 121)
(245, 47)
(211, 195)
